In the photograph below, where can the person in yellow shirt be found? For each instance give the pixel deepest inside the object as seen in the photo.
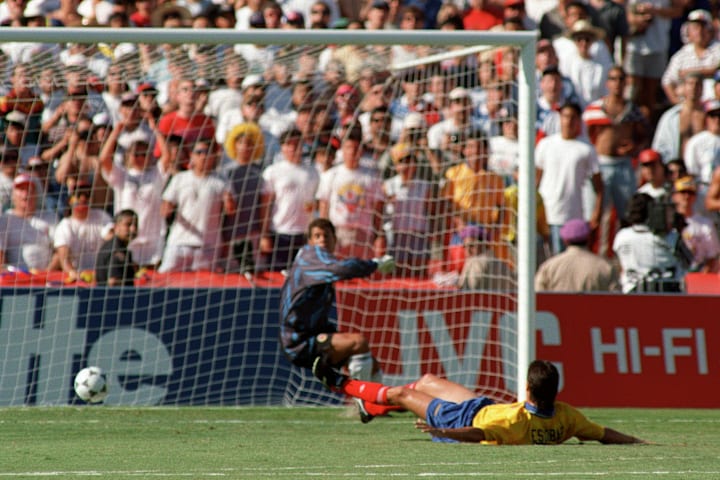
(475, 194)
(449, 412)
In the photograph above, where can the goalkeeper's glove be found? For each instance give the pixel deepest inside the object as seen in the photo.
(385, 264)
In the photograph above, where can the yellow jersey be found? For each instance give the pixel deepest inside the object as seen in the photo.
(513, 424)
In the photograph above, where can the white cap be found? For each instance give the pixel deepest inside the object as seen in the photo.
(458, 93)
(252, 81)
(414, 120)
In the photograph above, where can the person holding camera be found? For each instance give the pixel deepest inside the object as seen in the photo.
(650, 260)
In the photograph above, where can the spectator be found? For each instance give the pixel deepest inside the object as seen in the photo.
(229, 95)
(676, 169)
(647, 261)
(114, 266)
(137, 184)
(411, 99)
(414, 134)
(25, 233)
(564, 45)
(515, 9)
(511, 195)
(481, 269)
(477, 17)
(587, 73)
(79, 235)
(23, 98)
(320, 15)
(551, 96)
(701, 151)
(324, 151)
(410, 207)
(352, 199)
(80, 163)
(186, 121)
(16, 137)
(198, 197)
(618, 130)
(9, 168)
(564, 163)
(646, 53)
(252, 86)
(700, 54)
(612, 19)
(496, 107)
(505, 149)
(459, 119)
(147, 103)
(258, 57)
(289, 188)
(115, 88)
(242, 231)
(681, 121)
(700, 234)
(576, 269)
(411, 17)
(48, 191)
(378, 15)
(653, 175)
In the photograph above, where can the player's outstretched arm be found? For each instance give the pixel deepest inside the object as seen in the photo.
(464, 434)
(614, 437)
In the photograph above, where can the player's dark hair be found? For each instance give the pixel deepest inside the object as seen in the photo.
(543, 380)
(322, 223)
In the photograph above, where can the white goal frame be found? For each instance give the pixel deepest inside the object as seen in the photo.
(525, 41)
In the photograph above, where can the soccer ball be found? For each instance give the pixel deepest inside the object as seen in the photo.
(90, 385)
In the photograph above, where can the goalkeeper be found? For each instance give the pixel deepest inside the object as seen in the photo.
(306, 332)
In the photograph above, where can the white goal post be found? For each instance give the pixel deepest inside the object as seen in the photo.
(523, 333)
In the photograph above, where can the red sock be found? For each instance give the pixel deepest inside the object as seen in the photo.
(368, 391)
(379, 410)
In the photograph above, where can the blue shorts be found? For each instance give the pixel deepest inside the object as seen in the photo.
(443, 414)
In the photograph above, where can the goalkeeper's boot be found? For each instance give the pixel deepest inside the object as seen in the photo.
(331, 378)
(365, 416)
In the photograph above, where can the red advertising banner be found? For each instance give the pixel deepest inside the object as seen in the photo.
(612, 350)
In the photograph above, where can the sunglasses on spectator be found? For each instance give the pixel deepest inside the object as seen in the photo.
(377, 119)
(320, 12)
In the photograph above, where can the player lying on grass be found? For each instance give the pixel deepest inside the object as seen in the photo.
(452, 413)
(306, 332)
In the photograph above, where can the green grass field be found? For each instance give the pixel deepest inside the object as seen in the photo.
(297, 443)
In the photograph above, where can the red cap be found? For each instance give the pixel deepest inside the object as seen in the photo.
(649, 156)
(23, 179)
(511, 3)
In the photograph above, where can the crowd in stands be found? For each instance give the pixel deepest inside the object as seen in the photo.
(225, 153)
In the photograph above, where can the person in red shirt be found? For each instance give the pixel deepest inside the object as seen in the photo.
(187, 121)
(477, 17)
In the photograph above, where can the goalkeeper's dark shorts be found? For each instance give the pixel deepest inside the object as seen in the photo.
(303, 351)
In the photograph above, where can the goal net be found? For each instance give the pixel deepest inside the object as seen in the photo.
(221, 146)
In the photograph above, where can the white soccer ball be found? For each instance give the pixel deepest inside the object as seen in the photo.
(91, 385)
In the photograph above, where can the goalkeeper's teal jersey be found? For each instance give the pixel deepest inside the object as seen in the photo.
(514, 424)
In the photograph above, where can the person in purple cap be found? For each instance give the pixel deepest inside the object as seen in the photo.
(482, 270)
(576, 269)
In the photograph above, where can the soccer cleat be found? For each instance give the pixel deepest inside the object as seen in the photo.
(331, 378)
(365, 416)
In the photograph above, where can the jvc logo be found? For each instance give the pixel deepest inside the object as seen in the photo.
(461, 369)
